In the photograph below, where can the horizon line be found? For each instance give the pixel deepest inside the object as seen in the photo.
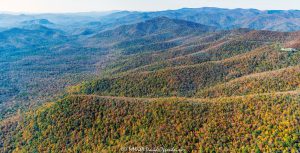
(107, 11)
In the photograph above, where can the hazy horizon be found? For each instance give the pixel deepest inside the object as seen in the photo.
(69, 6)
(112, 11)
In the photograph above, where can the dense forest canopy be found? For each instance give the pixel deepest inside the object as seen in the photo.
(201, 80)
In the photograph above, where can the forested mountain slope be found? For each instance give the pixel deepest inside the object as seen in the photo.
(38, 62)
(286, 79)
(266, 123)
(186, 80)
(158, 83)
(210, 47)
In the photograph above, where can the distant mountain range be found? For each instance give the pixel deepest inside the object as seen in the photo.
(275, 20)
(38, 21)
(150, 31)
(29, 35)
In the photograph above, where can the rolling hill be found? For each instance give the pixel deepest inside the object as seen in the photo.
(30, 37)
(106, 124)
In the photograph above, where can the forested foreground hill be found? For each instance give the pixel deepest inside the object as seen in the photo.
(90, 123)
(163, 83)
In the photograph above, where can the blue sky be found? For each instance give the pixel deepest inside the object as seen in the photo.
(139, 5)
